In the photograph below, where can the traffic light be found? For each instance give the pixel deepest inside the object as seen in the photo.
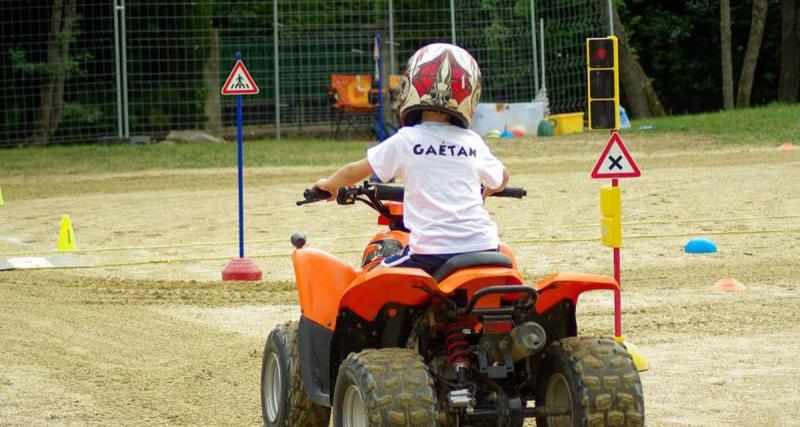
(603, 77)
(611, 217)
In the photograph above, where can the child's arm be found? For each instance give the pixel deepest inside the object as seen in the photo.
(489, 191)
(348, 174)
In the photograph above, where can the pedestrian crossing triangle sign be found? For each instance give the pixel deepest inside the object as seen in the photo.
(239, 82)
(616, 161)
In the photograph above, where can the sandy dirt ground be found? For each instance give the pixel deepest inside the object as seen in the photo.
(149, 336)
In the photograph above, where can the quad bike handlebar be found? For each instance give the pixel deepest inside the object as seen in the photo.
(312, 195)
(382, 192)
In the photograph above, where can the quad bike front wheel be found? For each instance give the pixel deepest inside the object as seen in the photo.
(595, 378)
(384, 388)
(283, 401)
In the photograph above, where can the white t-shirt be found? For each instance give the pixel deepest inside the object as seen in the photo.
(443, 167)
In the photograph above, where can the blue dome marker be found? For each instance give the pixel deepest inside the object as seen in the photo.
(700, 245)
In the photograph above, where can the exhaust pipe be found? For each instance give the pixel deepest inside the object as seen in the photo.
(528, 339)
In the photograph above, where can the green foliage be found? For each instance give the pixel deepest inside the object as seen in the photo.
(678, 45)
(26, 65)
(70, 67)
(167, 89)
(85, 114)
(676, 42)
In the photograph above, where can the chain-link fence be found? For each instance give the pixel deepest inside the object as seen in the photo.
(57, 77)
(117, 69)
(566, 25)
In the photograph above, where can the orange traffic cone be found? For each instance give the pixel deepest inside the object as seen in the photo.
(728, 284)
(787, 146)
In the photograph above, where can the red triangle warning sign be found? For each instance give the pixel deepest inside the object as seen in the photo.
(616, 161)
(239, 82)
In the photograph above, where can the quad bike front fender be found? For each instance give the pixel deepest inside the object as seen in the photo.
(558, 287)
(321, 280)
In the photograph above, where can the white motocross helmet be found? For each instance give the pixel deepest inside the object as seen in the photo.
(440, 77)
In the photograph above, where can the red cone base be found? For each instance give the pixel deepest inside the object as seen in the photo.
(242, 269)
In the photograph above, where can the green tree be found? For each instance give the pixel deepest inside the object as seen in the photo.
(751, 54)
(59, 66)
(789, 82)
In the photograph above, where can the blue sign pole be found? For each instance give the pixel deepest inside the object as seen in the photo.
(376, 55)
(378, 74)
(239, 143)
(240, 83)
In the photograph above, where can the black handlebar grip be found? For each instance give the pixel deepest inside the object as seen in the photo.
(389, 192)
(315, 194)
(514, 192)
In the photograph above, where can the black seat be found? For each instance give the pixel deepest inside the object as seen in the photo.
(472, 259)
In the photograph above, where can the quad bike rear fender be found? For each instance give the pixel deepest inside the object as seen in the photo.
(568, 286)
(558, 296)
(369, 293)
(321, 280)
(475, 278)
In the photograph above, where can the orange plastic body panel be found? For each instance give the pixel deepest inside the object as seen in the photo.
(321, 280)
(507, 251)
(475, 278)
(395, 208)
(557, 287)
(371, 291)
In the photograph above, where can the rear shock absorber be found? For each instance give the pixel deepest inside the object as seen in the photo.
(458, 353)
(456, 343)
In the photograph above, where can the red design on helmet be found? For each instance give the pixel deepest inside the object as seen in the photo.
(440, 77)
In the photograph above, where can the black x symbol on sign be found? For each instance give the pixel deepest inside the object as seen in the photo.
(615, 162)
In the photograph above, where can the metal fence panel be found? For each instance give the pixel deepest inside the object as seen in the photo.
(317, 40)
(56, 72)
(97, 70)
(567, 24)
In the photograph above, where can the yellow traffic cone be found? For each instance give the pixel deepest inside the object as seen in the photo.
(66, 237)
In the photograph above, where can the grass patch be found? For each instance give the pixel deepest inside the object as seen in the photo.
(772, 124)
(769, 125)
(58, 160)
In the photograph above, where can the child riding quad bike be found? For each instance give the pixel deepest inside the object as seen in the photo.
(470, 345)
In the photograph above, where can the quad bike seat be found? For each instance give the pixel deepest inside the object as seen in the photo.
(472, 259)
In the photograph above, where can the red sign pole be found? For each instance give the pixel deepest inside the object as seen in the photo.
(618, 278)
(616, 162)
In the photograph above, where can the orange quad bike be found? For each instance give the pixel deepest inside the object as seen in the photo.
(470, 345)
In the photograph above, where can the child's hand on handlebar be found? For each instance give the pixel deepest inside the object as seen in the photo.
(489, 191)
(325, 184)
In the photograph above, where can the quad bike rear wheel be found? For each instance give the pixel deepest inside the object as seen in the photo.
(283, 401)
(595, 378)
(384, 388)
